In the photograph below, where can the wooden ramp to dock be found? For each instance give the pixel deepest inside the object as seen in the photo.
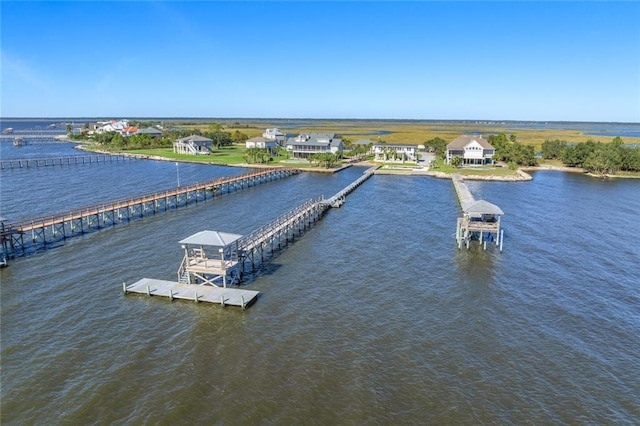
(339, 198)
(193, 292)
(465, 197)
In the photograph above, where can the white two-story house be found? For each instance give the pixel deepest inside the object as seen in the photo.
(387, 152)
(473, 149)
(261, 142)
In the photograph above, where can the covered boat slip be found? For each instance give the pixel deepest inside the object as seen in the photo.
(480, 220)
(194, 292)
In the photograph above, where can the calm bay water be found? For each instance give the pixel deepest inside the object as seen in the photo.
(371, 317)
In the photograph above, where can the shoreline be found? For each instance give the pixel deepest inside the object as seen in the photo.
(520, 176)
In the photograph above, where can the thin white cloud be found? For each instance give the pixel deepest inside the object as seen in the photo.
(111, 79)
(17, 69)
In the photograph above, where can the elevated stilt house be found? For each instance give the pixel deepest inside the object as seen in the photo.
(210, 258)
(194, 144)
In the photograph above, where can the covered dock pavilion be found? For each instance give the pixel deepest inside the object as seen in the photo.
(480, 221)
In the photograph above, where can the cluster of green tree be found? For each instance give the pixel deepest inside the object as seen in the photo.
(257, 156)
(437, 145)
(511, 151)
(595, 157)
(355, 151)
(325, 159)
(360, 151)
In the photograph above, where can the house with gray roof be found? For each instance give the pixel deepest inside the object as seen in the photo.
(305, 145)
(473, 149)
(275, 135)
(151, 131)
(194, 144)
(261, 142)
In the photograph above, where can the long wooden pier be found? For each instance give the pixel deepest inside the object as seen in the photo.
(35, 136)
(27, 236)
(27, 163)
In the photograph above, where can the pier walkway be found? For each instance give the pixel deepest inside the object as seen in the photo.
(266, 240)
(338, 199)
(20, 163)
(465, 197)
(27, 236)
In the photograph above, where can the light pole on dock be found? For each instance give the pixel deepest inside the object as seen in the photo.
(178, 174)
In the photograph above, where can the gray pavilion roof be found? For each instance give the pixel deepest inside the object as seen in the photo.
(481, 207)
(211, 238)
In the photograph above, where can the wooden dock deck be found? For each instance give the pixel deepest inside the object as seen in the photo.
(193, 292)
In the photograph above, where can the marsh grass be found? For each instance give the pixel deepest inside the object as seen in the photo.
(414, 131)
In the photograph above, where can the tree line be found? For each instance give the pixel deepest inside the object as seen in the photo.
(595, 157)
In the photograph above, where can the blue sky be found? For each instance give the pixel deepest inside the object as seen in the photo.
(544, 61)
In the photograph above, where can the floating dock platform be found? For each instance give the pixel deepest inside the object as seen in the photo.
(193, 292)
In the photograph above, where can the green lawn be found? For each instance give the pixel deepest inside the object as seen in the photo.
(441, 166)
(226, 155)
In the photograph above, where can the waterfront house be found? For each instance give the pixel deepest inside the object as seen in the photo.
(128, 131)
(389, 152)
(305, 145)
(274, 135)
(150, 131)
(261, 142)
(472, 149)
(193, 144)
